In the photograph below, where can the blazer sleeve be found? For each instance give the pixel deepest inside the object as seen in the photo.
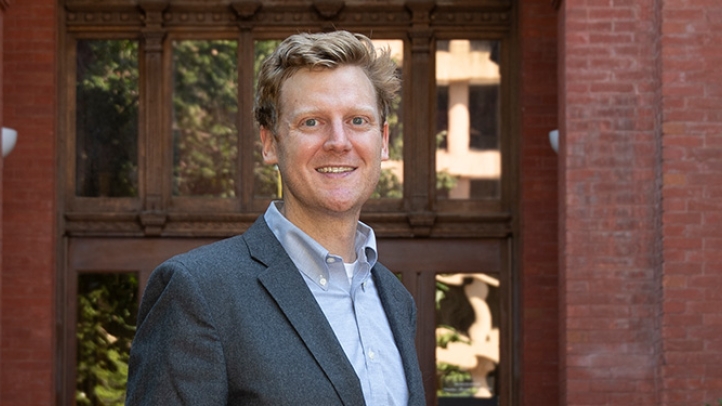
(176, 356)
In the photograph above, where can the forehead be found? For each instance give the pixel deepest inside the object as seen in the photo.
(343, 87)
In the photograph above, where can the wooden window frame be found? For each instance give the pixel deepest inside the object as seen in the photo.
(487, 230)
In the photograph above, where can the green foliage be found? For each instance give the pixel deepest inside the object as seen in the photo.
(444, 180)
(266, 178)
(205, 107)
(389, 186)
(107, 118)
(451, 336)
(719, 402)
(261, 51)
(441, 289)
(453, 381)
(107, 308)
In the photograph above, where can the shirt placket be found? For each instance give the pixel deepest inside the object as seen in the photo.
(371, 348)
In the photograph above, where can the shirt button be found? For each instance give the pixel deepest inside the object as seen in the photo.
(330, 260)
(322, 281)
(372, 354)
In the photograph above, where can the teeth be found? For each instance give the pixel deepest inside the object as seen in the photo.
(335, 169)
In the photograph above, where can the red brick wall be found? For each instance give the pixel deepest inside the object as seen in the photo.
(609, 200)
(692, 196)
(29, 182)
(538, 172)
(2, 18)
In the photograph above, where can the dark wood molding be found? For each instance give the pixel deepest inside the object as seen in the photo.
(251, 13)
(328, 9)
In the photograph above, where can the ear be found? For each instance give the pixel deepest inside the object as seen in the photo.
(385, 142)
(270, 156)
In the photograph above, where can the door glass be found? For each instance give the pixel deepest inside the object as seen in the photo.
(467, 339)
(392, 171)
(106, 118)
(468, 159)
(266, 178)
(205, 110)
(107, 305)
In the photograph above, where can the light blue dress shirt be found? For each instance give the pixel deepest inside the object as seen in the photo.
(353, 309)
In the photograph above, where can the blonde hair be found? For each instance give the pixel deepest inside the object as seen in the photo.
(327, 51)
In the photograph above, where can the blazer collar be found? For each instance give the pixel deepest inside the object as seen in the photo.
(402, 319)
(285, 284)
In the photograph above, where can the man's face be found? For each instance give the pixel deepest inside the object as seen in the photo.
(330, 141)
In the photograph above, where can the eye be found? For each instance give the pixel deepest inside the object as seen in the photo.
(358, 121)
(310, 122)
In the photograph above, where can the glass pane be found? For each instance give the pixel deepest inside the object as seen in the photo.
(468, 159)
(106, 120)
(205, 109)
(467, 339)
(266, 178)
(392, 171)
(107, 308)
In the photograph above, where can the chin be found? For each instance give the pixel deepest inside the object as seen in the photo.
(344, 207)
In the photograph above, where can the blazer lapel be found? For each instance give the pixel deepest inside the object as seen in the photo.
(285, 284)
(401, 319)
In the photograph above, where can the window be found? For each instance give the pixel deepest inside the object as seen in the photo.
(107, 304)
(106, 106)
(467, 335)
(205, 112)
(160, 153)
(468, 154)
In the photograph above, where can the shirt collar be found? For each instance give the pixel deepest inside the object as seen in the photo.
(310, 257)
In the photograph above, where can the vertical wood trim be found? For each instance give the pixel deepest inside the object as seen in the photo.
(419, 159)
(151, 128)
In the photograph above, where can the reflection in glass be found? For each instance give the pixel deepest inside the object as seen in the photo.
(205, 109)
(107, 307)
(467, 336)
(392, 171)
(267, 183)
(468, 160)
(266, 178)
(106, 119)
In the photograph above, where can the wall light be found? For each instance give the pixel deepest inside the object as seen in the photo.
(10, 137)
(554, 140)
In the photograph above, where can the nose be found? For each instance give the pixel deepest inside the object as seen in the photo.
(337, 138)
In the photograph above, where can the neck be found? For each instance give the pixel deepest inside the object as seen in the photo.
(336, 233)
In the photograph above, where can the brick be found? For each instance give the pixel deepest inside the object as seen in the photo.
(29, 63)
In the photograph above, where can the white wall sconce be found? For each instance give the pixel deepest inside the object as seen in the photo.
(554, 140)
(9, 137)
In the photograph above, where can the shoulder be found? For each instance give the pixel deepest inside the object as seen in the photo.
(231, 254)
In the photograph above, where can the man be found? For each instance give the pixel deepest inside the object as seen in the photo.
(296, 311)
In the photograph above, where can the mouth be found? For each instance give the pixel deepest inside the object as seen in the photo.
(335, 169)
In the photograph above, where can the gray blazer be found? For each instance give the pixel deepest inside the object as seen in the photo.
(233, 323)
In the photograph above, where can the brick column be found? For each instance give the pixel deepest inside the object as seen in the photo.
(692, 195)
(609, 164)
(538, 205)
(29, 207)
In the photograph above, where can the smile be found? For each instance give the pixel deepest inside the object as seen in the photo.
(335, 169)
